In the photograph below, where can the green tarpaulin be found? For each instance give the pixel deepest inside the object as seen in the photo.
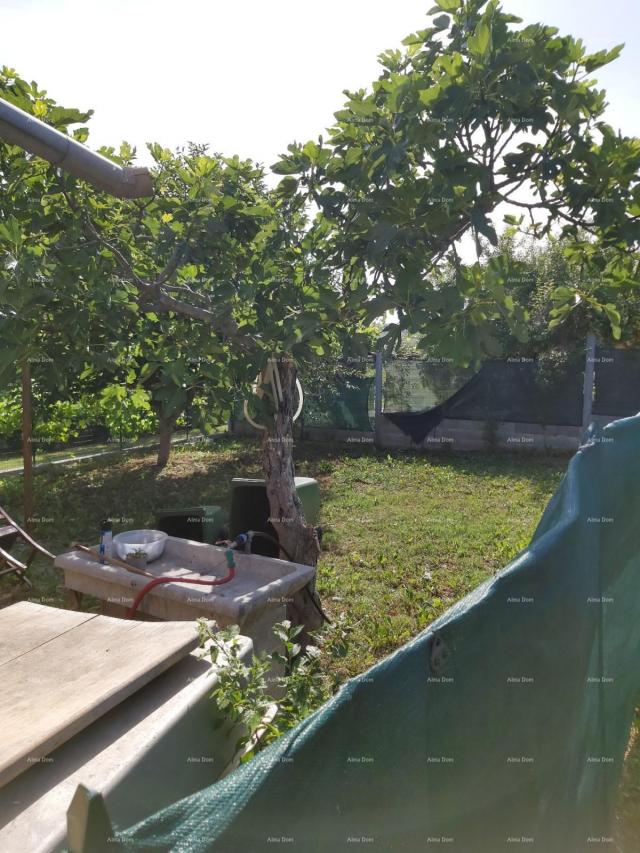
(503, 726)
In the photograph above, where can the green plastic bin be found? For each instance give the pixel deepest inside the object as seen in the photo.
(250, 509)
(199, 523)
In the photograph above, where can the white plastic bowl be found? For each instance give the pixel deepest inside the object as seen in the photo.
(152, 542)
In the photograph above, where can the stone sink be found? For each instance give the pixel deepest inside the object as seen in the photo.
(255, 599)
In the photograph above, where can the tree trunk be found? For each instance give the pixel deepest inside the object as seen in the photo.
(27, 445)
(298, 539)
(166, 426)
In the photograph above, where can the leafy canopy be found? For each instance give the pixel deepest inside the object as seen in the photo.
(474, 113)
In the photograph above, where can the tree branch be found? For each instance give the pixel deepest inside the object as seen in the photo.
(173, 263)
(227, 326)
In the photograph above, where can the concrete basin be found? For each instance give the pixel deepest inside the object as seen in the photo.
(255, 599)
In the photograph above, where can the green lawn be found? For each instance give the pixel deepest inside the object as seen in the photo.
(9, 462)
(628, 817)
(406, 535)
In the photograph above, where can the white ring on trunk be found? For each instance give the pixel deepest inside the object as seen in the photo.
(248, 417)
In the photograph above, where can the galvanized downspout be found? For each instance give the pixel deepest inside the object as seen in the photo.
(19, 128)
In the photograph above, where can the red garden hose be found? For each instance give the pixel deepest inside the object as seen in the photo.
(157, 581)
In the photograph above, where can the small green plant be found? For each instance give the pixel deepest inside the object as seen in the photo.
(138, 554)
(264, 705)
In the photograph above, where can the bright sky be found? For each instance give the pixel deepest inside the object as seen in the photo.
(250, 76)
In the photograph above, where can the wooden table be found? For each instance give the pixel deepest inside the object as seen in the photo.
(60, 670)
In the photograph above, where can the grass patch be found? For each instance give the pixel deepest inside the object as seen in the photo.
(628, 814)
(8, 462)
(408, 536)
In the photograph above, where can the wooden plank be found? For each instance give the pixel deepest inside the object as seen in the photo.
(25, 626)
(59, 687)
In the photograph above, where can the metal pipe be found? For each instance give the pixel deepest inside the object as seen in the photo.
(589, 377)
(378, 402)
(20, 128)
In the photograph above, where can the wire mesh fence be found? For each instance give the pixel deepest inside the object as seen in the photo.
(617, 386)
(87, 444)
(341, 396)
(546, 390)
(520, 390)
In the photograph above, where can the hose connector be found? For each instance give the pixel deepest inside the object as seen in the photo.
(248, 541)
(230, 558)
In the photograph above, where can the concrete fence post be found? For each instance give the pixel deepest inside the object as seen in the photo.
(377, 398)
(589, 378)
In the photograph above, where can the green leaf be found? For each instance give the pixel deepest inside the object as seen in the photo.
(259, 210)
(603, 57)
(480, 42)
(312, 151)
(285, 167)
(562, 294)
(287, 186)
(353, 155)
(148, 369)
(448, 5)
(81, 134)
(428, 96)
(483, 226)
(613, 315)
(441, 22)
(10, 230)
(420, 37)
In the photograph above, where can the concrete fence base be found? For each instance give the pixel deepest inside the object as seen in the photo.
(459, 435)
(455, 435)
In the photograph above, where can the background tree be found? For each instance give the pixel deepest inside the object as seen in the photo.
(38, 312)
(472, 115)
(216, 246)
(185, 372)
(548, 273)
